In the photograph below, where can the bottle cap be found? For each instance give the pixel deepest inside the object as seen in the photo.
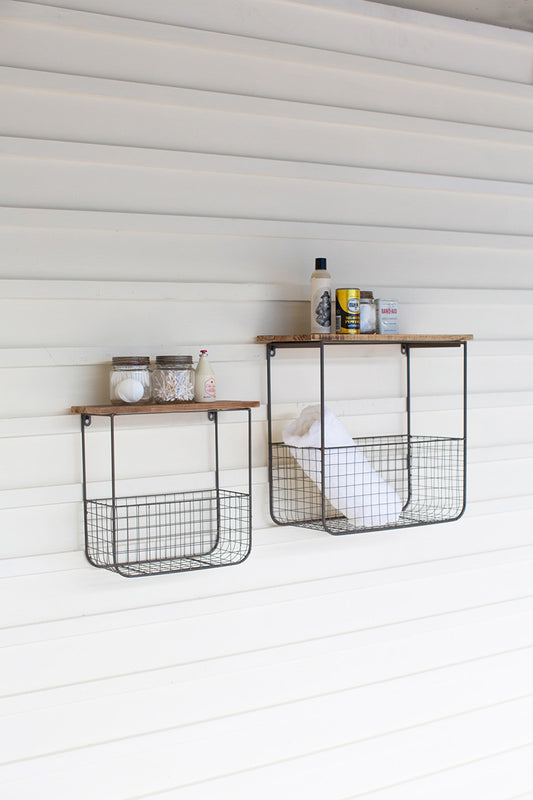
(320, 263)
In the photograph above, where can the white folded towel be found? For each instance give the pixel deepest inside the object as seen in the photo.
(351, 485)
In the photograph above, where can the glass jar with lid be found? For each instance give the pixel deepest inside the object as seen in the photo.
(368, 312)
(129, 381)
(173, 379)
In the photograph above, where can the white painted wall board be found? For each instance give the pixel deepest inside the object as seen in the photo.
(32, 181)
(448, 639)
(222, 633)
(279, 73)
(376, 707)
(464, 636)
(54, 253)
(507, 466)
(358, 140)
(171, 455)
(40, 521)
(509, 772)
(74, 88)
(441, 743)
(381, 255)
(190, 183)
(260, 584)
(388, 34)
(316, 231)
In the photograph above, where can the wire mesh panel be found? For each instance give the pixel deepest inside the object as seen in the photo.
(380, 482)
(155, 534)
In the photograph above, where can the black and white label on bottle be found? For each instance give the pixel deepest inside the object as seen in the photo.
(321, 304)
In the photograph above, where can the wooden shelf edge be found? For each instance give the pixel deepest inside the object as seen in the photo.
(368, 338)
(167, 408)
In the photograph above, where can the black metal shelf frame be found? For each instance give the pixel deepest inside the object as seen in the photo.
(166, 533)
(411, 460)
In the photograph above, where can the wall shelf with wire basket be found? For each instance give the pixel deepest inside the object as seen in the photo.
(155, 534)
(375, 482)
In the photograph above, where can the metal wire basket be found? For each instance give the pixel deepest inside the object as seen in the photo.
(156, 534)
(381, 482)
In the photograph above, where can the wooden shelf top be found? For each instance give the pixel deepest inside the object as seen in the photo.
(368, 338)
(166, 408)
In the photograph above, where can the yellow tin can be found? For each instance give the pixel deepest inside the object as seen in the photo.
(348, 309)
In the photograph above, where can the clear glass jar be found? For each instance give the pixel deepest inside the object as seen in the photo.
(173, 379)
(368, 313)
(129, 381)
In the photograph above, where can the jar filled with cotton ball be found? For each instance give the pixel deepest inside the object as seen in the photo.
(368, 313)
(173, 379)
(130, 380)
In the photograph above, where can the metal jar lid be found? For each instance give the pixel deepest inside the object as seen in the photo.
(130, 361)
(365, 295)
(173, 361)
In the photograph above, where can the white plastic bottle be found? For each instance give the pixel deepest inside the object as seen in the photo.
(320, 298)
(204, 381)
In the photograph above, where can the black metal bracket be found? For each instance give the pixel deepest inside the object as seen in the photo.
(213, 416)
(406, 351)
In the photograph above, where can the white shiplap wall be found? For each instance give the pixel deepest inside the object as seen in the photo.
(170, 172)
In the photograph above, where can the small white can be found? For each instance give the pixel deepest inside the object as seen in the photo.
(387, 316)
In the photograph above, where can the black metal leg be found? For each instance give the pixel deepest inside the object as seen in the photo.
(465, 413)
(323, 498)
(85, 422)
(113, 491)
(406, 350)
(322, 438)
(249, 412)
(270, 353)
(213, 416)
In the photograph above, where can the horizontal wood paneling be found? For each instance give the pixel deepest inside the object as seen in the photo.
(170, 172)
(220, 633)
(167, 322)
(127, 49)
(44, 243)
(324, 566)
(359, 28)
(171, 94)
(38, 182)
(231, 745)
(433, 688)
(286, 132)
(188, 291)
(508, 772)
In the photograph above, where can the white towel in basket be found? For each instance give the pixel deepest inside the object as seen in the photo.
(351, 485)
